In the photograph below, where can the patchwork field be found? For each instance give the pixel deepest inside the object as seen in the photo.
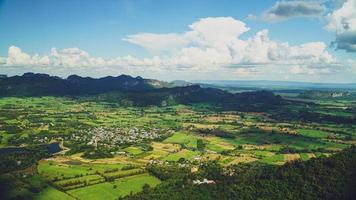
(115, 189)
(93, 165)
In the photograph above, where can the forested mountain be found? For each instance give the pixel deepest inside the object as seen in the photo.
(134, 91)
(30, 84)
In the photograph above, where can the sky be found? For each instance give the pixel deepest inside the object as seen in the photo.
(287, 40)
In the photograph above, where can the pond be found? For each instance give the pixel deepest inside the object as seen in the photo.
(51, 148)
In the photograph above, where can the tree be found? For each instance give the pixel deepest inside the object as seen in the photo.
(200, 145)
(145, 188)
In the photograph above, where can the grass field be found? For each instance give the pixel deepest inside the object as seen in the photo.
(218, 144)
(312, 133)
(133, 150)
(51, 193)
(113, 190)
(159, 146)
(188, 140)
(186, 154)
(275, 159)
(306, 156)
(52, 169)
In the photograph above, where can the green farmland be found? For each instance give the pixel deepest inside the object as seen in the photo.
(108, 150)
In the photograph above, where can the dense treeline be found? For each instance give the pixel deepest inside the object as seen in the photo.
(309, 116)
(15, 187)
(321, 178)
(17, 158)
(165, 172)
(216, 132)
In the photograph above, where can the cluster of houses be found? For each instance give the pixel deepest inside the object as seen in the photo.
(111, 137)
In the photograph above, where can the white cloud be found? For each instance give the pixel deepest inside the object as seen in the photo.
(344, 18)
(216, 42)
(342, 21)
(17, 57)
(216, 32)
(71, 57)
(283, 10)
(207, 33)
(74, 57)
(210, 45)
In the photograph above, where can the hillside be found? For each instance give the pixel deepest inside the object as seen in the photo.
(134, 91)
(297, 180)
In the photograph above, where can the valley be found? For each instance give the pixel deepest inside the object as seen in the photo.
(111, 150)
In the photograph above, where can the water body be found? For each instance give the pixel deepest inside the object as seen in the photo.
(50, 148)
(54, 148)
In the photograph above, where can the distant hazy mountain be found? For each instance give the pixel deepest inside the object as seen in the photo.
(278, 84)
(179, 83)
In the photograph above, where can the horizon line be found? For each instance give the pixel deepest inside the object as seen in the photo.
(191, 81)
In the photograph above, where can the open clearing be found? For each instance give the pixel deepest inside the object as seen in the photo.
(53, 194)
(113, 190)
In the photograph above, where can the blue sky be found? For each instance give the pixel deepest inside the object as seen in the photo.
(99, 28)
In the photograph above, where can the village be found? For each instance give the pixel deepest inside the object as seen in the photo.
(114, 137)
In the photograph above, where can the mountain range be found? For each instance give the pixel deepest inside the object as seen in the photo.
(134, 91)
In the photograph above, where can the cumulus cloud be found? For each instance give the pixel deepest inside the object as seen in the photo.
(210, 45)
(283, 10)
(17, 57)
(216, 42)
(342, 21)
(71, 58)
(207, 32)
